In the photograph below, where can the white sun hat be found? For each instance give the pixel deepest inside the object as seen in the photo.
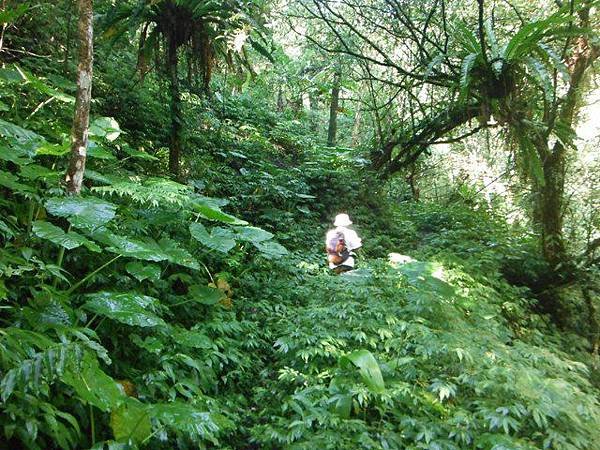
(342, 220)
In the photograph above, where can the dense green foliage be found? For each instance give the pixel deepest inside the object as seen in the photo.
(199, 313)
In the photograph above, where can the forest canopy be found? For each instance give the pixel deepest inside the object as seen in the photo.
(170, 169)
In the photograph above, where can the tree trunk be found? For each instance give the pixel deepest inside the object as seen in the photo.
(176, 112)
(333, 110)
(551, 207)
(79, 137)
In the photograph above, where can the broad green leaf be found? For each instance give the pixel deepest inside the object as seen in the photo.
(187, 418)
(368, 368)
(56, 235)
(253, 234)
(105, 127)
(219, 239)
(271, 249)
(35, 171)
(205, 294)
(26, 139)
(134, 153)
(212, 213)
(48, 149)
(142, 272)
(93, 385)
(98, 152)
(128, 308)
(176, 254)
(343, 405)
(11, 182)
(190, 338)
(147, 249)
(82, 212)
(15, 154)
(131, 421)
(6, 230)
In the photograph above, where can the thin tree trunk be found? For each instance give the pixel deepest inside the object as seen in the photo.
(81, 120)
(333, 110)
(176, 112)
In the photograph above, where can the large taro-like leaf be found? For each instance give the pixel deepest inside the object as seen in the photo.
(15, 155)
(210, 212)
(147, 249)
(26, 140)
(129, 308)
(142, 271)
(56, 235)
(12, 182)
(253, 234)
(205, 294)
(131, 422)
(82, 212)
(69, 240)
(93, 385)
(368, 368)
(271, 249)
(35, 172)
(183, 417)
(190, 338)
(105, 127)
(176, 254)
(219, 239)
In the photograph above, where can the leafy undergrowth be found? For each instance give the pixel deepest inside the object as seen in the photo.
(440, 366)
(153, 314)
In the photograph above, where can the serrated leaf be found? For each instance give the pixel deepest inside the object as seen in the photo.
(177, 254)
(147, 250)
(128, 308)
(35, 171)
(98, 152)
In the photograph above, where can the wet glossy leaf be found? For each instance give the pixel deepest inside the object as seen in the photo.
(82, 212)
(56, 235)
(128, 308)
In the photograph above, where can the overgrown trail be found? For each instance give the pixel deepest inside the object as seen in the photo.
(407, 356)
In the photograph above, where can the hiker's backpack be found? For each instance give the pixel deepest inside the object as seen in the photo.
(337, 251)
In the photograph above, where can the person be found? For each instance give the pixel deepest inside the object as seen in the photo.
(340, 244)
